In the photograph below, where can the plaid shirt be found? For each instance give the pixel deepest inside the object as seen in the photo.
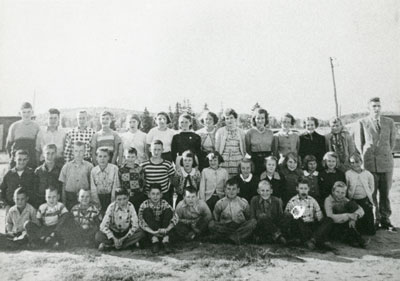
(86, 217)
(312, 211)
(84, 135)
(118, 220)
(131, 179)
(158, 209)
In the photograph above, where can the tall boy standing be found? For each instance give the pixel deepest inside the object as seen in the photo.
(22, 135)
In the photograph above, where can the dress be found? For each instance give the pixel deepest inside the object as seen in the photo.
(231, 153)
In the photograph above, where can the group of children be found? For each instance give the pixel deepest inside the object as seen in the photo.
(95, 202)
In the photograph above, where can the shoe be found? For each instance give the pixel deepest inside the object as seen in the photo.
(281, 240)
(310, 245)
(388, 226)
(155, 248)
(103, 247)
(167, 248)
(327, 246)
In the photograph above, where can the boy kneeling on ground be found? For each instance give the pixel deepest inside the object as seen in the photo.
(345, 215)
(157, 219)
(194, 215)
(306, 219)
(119, 228)
(232, 216)
(267, 210)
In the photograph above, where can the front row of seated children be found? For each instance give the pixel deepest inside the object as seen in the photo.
(233, 219)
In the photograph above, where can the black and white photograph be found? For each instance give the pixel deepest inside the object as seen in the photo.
(199, 140)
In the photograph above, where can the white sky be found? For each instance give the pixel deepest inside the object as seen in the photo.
(133, 54)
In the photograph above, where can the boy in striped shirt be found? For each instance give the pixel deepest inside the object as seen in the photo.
(156, 170)
(51, 219)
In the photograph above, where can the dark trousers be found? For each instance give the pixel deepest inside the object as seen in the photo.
(212, 201)
(71, 199)
(258, 159)
(168, 196)
(129, 241)
(105, 200)
(344, 233)
(366, 224)
(268, 229)
(163, 221)
(305, 231)
(184, 230)
(232, 231)
(74, 235)
(137, 199)
(7, 243)
(383, 184)
(35, 232)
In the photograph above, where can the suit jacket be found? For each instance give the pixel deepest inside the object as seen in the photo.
(376, 146)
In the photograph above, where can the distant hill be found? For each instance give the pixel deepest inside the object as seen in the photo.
(353, 117)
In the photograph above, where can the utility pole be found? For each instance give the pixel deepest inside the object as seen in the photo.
(334, 88)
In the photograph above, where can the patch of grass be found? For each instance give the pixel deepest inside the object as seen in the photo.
(128, 274)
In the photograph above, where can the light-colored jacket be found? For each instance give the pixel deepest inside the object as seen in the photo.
(365, 178)
(222, 135)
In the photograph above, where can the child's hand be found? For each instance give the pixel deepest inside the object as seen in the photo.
(352, 217)
(117, 243)
(352, 224)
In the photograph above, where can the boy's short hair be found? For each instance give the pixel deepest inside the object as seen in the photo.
(331, 154)
(121, 191)
(52, 188)
(79, 143)
(246, 160)
(189, 154)
(273, 158)
(338, 184)
(303, 180)
(155, 186)
(102, 149)
(19, 191)
(264, 183)
(26, 105)
(307, 159)
(50, 146)
(189, 189)
(260, 111)
(106, 113)
(132, 150)
(288, 115)
(374, 99)
(212, 114)
(231, 182)
(228, 112)
(83, 190)
(163, 113)
(154, 142)
(215, 154)
(356, 156)
(21, 152)
(54, 111)
(310, 118)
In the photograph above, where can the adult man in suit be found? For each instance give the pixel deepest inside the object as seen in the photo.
(375, 139)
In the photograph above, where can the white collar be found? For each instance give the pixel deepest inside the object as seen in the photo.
(248, 179)
(185, 174)
(306, 173)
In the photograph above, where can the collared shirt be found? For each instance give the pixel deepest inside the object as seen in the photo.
(336, 210)
(104, 181)
(76, 175)
(247, 187)
(157, 209)
(15, 220)
(131, 178)
(271, 207)
(118, 219)
(46, 178)
(191, 214)
(312, 210)
(212, 181)
(364, 180)
(136, 140)
(232, 210)
(12, 180)
(46, 137)
(86, 217)
(49, 215)
(76, 134)
(183, 179)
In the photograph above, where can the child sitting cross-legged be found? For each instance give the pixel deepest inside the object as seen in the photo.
(345, 215)
(267, 211)
(49, 229)
(232, 216)
(306, 220)
(119, 228)
(194, 215)
(19, 214)
(157, 219)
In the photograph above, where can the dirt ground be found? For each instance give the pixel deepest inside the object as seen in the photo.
(204, 261)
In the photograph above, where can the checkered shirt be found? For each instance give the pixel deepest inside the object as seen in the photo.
(75, 135)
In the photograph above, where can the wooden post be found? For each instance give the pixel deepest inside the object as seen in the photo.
(334, 88)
